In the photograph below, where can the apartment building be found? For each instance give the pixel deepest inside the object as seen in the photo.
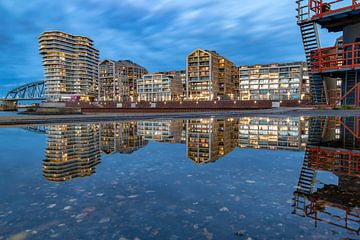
(117, 80)
(227, 70)
(72, 151)
(285, 81)
(208, 76)
(273, 133)
(159, 87)
(120, 137)
(182, 74)
(71, 66)
(207, 140)
(161, 131)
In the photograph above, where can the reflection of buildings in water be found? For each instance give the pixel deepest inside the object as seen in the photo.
(120, 137)
(72, 151)
(273, 133)
(334, 148)
(210, 139)
(161, 131)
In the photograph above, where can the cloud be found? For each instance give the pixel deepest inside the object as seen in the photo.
(157, 34)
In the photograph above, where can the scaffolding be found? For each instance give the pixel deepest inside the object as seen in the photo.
(328, 150)
(327, 65)
(321, 8)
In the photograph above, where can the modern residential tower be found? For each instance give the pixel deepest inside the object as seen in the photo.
(209, 76)
(72, 151)
(285, 81)
(120, 137)
(117, 80)
(71, 66)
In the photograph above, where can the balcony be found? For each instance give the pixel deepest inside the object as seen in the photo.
(322, 8)
(346, 56)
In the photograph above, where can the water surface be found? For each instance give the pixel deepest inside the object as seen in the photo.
(235, 178)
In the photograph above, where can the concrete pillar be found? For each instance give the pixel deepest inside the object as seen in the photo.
(8, 105)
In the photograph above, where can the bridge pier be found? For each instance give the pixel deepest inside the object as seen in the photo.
(8, 105)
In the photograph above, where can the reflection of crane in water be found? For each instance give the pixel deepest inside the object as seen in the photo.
(334, 146)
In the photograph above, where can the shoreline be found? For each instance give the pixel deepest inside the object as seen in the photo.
(26, 120)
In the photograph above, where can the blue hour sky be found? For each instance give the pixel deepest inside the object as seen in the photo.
(157, 34)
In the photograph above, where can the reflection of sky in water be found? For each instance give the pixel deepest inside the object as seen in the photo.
(8, 113)
(155, 192)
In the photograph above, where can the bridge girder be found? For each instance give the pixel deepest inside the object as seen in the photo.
(29, 91)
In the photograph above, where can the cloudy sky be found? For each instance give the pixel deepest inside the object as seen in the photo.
(157, 34)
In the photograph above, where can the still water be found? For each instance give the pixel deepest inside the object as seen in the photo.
(231, 178)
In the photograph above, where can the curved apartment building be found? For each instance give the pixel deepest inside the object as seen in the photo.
(71, 66)
(72, 151)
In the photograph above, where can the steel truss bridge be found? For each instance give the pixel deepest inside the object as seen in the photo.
(29, 91)
(36, 129)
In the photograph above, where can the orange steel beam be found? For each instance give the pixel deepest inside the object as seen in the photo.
(335, 161)
(357, 88)
(338, 57)
(312, 212)
(356, 134)
(317, 6)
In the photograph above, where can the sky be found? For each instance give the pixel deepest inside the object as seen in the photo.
(157, 34)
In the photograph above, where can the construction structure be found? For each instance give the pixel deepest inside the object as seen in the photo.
(334, 148)
(71, 67)
(331, 65)
(159, 88)
(277, 81)
(209, 76)
(117, 80)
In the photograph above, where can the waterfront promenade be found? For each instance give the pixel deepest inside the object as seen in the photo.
(22, 120)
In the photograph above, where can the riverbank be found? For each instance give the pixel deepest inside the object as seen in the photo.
(21, 120)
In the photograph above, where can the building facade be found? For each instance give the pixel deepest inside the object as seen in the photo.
(286, 81)
(120, 137)
(208, 76)
(182, 74)
(71, 66)
(227, 70)
(273, 133)
(72, 151)
(117, 80)
(162, 131)
(207, 140)
(159, 87)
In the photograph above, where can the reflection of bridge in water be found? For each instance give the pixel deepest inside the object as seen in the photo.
(36, 129)
(333, 147)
